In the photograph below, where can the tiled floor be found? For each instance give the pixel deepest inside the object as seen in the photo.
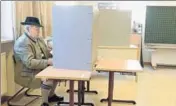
(154, 88)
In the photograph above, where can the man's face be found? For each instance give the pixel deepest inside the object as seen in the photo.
(35, 30)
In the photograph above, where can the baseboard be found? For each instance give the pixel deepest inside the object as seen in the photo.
(147, 63)
(4, 99)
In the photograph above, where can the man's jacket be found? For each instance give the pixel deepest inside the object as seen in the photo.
(30, 58)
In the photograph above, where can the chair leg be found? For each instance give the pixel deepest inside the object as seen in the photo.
(8, 102)
(28, 95)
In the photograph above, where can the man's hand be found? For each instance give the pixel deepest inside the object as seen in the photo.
(50, 61)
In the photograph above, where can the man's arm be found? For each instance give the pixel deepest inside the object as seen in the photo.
(48, 47)
(27, 57)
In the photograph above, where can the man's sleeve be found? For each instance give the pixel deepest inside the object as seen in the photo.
(27, 57)
(47, 50)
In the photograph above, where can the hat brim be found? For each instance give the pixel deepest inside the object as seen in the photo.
(30, 23)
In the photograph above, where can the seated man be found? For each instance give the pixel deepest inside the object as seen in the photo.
(32, 53)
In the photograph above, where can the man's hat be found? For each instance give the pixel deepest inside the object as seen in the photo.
(32, 21)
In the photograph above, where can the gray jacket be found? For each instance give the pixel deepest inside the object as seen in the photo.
(30, 58)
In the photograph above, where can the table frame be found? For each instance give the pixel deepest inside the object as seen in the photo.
(80, 95)
(110, 99)
(87, 89)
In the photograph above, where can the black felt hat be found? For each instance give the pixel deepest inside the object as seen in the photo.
(32, 21)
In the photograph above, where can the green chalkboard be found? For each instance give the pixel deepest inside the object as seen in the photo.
(160, 25)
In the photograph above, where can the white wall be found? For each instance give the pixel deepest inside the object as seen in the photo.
(7, 20)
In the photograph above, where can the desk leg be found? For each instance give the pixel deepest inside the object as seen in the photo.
(111, 88)
(110, 92)
(82, 86)
(81, 92)
(80, 95)
(71, 93)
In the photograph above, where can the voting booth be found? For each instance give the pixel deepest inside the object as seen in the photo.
(114, 27)
(73, 44)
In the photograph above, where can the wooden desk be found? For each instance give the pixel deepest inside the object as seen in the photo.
(71, 75)
(112, 66)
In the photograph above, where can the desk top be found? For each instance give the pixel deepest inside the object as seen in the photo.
(119, 65)
(64, 74)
